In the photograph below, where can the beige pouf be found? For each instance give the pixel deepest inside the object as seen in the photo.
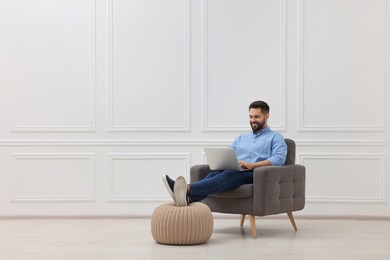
(190, 225)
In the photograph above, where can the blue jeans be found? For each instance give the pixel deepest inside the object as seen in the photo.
(218, 181)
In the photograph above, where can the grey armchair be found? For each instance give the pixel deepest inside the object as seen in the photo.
(275, 190)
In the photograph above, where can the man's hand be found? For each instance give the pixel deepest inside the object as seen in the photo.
(251, 166)
(245, 165)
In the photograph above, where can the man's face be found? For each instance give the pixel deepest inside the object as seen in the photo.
(257, 120)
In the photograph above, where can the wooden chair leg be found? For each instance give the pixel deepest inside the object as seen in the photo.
(242, 220)
(291, 217)
(253, 225)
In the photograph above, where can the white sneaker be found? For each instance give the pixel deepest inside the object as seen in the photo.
(180, 191)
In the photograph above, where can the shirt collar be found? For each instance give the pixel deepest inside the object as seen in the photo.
(262, 131)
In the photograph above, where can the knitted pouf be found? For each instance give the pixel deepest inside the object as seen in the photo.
(190, 225)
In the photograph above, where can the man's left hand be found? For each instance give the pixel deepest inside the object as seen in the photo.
(245, 165)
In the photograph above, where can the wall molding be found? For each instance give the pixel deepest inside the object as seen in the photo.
(206, 127)
(302, 127)
(179, 142)
(50, 156)
(341, 142)
(301, 157)
(187, 83)
(148, 156)
(19, 128)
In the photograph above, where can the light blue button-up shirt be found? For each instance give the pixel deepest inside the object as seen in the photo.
(265, 145)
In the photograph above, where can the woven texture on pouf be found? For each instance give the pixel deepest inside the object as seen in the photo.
(190, 225)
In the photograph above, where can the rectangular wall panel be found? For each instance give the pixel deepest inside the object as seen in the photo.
(54, 177)
(345, 177)
(137, 177)
(55, 65)
(342, 60)
(244, 60)
(149, 65)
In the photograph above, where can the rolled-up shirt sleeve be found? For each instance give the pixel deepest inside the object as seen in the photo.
(279, 151)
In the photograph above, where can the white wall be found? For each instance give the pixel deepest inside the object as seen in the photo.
(98, 98)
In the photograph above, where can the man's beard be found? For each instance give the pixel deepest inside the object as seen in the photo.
(256, 127)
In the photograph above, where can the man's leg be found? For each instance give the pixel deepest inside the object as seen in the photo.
(217, 182)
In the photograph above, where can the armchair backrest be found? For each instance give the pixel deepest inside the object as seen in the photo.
(290, 158)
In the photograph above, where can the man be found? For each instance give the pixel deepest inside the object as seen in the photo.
(261, 147)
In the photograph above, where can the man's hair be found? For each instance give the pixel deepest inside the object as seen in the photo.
(260, 104)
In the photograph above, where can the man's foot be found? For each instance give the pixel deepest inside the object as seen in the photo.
(180, 192)
(169, 184)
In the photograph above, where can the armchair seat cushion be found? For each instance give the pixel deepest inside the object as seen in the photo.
(244, 191)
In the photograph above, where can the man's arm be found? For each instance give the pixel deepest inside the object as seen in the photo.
(279, 151)
(245, 165)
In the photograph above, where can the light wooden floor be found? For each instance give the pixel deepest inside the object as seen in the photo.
(97, 239)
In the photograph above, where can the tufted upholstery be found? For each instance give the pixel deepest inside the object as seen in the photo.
(275, 190)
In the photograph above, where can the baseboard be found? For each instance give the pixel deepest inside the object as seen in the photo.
(215, 215)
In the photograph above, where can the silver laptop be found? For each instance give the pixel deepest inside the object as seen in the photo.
(222, 159)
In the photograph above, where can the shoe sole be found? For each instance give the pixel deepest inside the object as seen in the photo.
(180, 191)
(165, 181)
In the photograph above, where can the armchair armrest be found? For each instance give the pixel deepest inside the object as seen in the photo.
(278, 189)
(198, 172)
